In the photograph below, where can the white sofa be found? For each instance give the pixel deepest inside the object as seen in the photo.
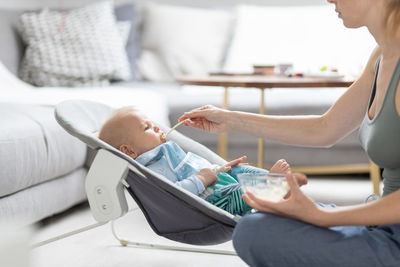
(43, 168)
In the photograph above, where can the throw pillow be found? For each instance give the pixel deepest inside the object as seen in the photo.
(185, 40)
(124, 28)
(128, 13)
(81, 47)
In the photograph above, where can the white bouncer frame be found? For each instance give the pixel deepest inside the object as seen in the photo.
(105, 184)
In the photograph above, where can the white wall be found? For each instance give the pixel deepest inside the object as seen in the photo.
(35, 4)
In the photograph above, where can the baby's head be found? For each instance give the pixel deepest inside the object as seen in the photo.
(131, 132)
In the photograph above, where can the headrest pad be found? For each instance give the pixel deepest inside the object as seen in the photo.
(83, 119)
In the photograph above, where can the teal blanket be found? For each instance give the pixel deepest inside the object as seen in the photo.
(227, 195)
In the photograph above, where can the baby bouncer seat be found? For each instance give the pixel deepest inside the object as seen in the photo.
(171, 211)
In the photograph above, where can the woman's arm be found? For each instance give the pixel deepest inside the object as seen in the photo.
(322, 130)
(379, 212)
(299, 206)
(325, 130)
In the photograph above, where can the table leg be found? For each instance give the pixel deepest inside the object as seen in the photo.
(260, 162)
(375, 175)
(223, 137)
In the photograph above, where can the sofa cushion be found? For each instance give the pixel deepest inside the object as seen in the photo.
(81, 47)
(11, 45)
(34, 148)
(128, 13)
(185, 40)
(45, 199)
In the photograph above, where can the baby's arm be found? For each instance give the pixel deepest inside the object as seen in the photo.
(197, 183)
(207, 177)
(228, 166)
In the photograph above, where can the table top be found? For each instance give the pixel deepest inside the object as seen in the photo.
(263, 81)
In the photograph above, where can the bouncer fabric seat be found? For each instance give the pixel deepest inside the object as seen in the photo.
(171, 211)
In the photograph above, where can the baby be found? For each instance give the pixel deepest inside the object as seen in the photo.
(134, 134)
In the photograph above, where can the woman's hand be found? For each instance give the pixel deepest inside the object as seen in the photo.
(207, 118)
(297, 205)
(228, 166)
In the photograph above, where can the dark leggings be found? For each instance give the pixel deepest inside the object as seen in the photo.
(262, 239)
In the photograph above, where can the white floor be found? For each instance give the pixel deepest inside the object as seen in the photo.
(97, 247)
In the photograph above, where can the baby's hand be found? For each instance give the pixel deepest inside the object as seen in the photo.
(228, 166)
(207, 177)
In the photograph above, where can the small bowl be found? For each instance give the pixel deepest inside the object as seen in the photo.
(272, 186)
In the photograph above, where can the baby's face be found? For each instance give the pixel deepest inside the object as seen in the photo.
(145, 135)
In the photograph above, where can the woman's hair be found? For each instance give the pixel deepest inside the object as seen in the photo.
(392, 16)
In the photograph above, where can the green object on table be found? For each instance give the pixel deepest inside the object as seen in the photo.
(227, 195)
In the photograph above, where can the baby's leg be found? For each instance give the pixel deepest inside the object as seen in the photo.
(246, 169)
(281, 166)
(229, 198)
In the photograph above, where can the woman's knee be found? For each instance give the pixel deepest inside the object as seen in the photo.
(253, 232)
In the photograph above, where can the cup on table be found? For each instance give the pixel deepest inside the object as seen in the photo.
(284, 68)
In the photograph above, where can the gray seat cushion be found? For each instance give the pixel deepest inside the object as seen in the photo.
(34, 148)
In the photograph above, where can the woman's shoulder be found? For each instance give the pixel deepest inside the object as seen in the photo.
(365, 81)
(373, 60)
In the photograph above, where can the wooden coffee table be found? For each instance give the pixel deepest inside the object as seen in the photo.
(267, 82)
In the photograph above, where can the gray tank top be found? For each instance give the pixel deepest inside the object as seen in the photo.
(380, 137)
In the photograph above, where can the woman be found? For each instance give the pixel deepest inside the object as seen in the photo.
(295, 231)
